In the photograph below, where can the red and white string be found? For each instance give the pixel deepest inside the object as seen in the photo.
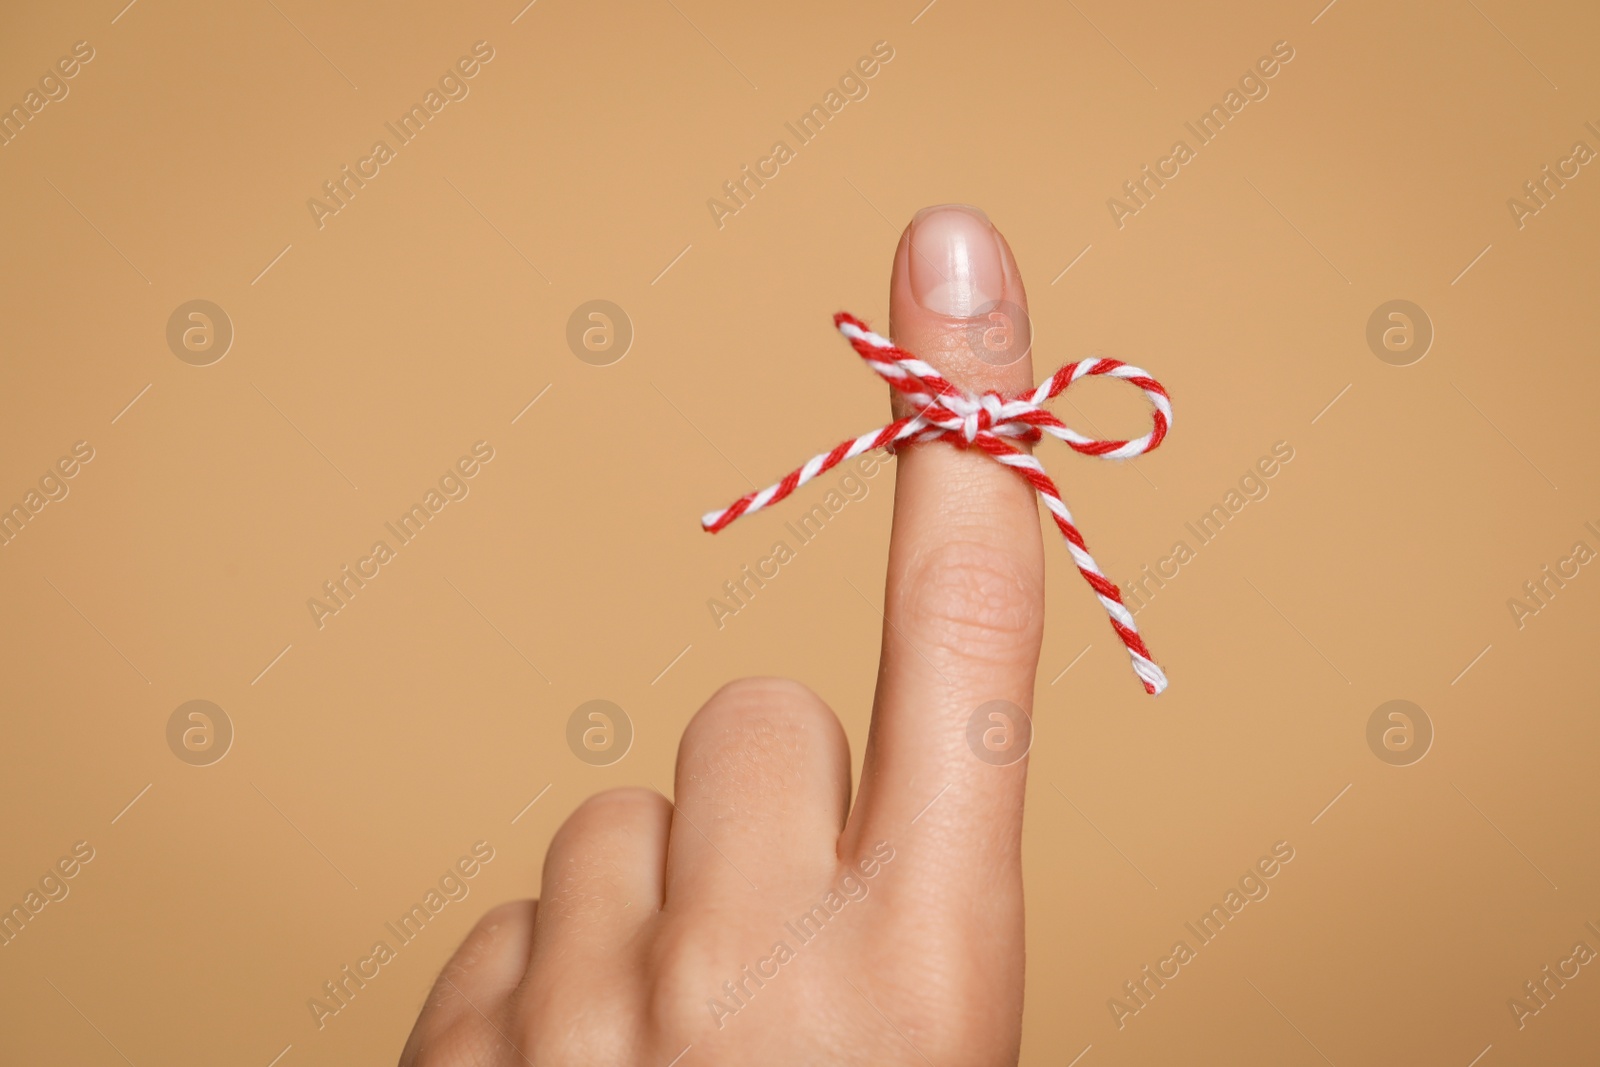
(991, 422)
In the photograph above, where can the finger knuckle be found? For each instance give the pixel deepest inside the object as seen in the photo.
(581, 860)
(499, 925)
(757, 732)
(973, 599)
(761, 696)
(467, 1039)
(686, 962)
(571, 1022)
(603, 812)
(751, 718)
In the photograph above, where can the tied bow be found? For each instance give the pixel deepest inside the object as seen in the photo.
(991, 422)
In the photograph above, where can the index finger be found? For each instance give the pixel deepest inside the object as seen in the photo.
(944, 772)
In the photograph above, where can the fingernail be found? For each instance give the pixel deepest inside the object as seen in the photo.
(955, 260)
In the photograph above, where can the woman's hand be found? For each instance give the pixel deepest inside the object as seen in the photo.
(761, 918)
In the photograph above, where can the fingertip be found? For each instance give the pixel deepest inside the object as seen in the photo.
(955, 267)
(957, 300)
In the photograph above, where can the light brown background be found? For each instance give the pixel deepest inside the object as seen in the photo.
(416, 323)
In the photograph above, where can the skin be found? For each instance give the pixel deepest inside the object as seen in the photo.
(642, 917)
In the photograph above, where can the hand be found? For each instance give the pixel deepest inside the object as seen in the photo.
(888, 932)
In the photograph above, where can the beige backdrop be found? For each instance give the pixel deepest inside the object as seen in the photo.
(373, 346)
